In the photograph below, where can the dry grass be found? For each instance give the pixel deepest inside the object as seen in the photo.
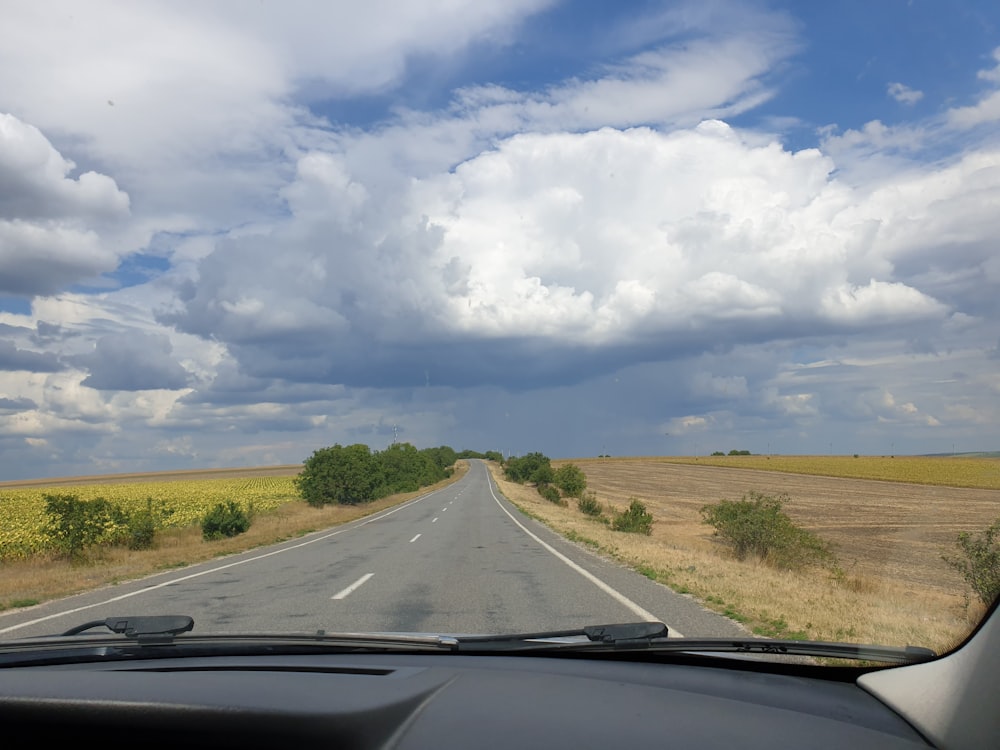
(45, 577)
(893, 589)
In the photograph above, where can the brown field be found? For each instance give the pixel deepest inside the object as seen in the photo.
(890, 530)
(892, 586)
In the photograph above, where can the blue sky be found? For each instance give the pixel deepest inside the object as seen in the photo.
(231, 234)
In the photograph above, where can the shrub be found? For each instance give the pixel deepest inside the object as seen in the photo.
(224, 520)
(635, 520)
(551, 494)
(571, 480)
(74, 524)
(979, 562)
(718, 453)
(757, 526)
(523, 469)
(588, 504)
(141, 528)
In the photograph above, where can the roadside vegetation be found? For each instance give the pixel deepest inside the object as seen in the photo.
(54, 544)
(977, 560)
(763, 562)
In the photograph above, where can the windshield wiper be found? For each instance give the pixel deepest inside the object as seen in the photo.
(653, 636)
(158, 628)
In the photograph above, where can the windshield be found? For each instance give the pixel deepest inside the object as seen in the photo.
(501, 317)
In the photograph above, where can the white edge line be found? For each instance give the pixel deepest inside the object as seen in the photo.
(353, 525)
(353, 587)
(613, 593)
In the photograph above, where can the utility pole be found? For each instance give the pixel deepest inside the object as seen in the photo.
(394, 434)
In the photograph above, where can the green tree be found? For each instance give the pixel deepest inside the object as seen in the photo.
(405, 469)
(522, 469)
(571, 480)
(344, 475)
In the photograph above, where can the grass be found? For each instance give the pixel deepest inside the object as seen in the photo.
(901, 594)
(27, 582)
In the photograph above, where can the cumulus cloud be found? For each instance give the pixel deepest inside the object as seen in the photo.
(903, 93)
(133, 361)
(14, 358)
(51, 224)
(987, 109)
(560, 249)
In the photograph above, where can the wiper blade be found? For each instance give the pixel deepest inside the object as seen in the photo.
(625, 634)
(653, 636)
(140, 628)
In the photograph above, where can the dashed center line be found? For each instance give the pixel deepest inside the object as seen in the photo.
(350, 589)
(434, 520)
(415, 539)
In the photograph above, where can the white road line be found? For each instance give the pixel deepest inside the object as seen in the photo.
(172, 581)
(444, 509)
(434, 520)
(415, 539)
(354, 586)
(614, 593)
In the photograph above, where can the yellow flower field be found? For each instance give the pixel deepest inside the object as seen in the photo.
(950, 471)
(23, 519)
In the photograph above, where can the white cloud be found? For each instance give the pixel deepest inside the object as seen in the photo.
(987, 109)
(903, 93)
(54, 229)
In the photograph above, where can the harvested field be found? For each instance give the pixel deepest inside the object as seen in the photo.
(892, 586)
(889, 530)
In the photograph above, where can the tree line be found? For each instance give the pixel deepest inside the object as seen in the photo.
(354, 474)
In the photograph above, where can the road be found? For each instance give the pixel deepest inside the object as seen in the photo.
(460, 560)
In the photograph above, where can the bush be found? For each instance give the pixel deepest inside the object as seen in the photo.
(551, 494)
(141, 528)
(571, 480)
(74, 524)
(735, 452)
(635, 520)
(342, 475)
(588, 504)
(979, 562)
(718, 453)
(224, 520)
(522, 469)
(756, 526)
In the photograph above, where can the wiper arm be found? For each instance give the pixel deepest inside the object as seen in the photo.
(653, 636)
(625, 635)
(155, 629)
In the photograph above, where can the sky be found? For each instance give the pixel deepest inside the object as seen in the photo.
(233, 233)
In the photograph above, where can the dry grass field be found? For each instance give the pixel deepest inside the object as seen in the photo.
(892, 587)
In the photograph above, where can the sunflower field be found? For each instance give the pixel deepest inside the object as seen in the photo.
(23, 520)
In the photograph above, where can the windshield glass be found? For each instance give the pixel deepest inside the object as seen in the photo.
(501, 317)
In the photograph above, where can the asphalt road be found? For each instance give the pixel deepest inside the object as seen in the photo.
(458, 560)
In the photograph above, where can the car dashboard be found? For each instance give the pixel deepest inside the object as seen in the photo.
(421, 700)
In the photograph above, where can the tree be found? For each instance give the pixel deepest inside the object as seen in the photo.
(571, 480)
(405, 469)
(521, 469)
(341, 475)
